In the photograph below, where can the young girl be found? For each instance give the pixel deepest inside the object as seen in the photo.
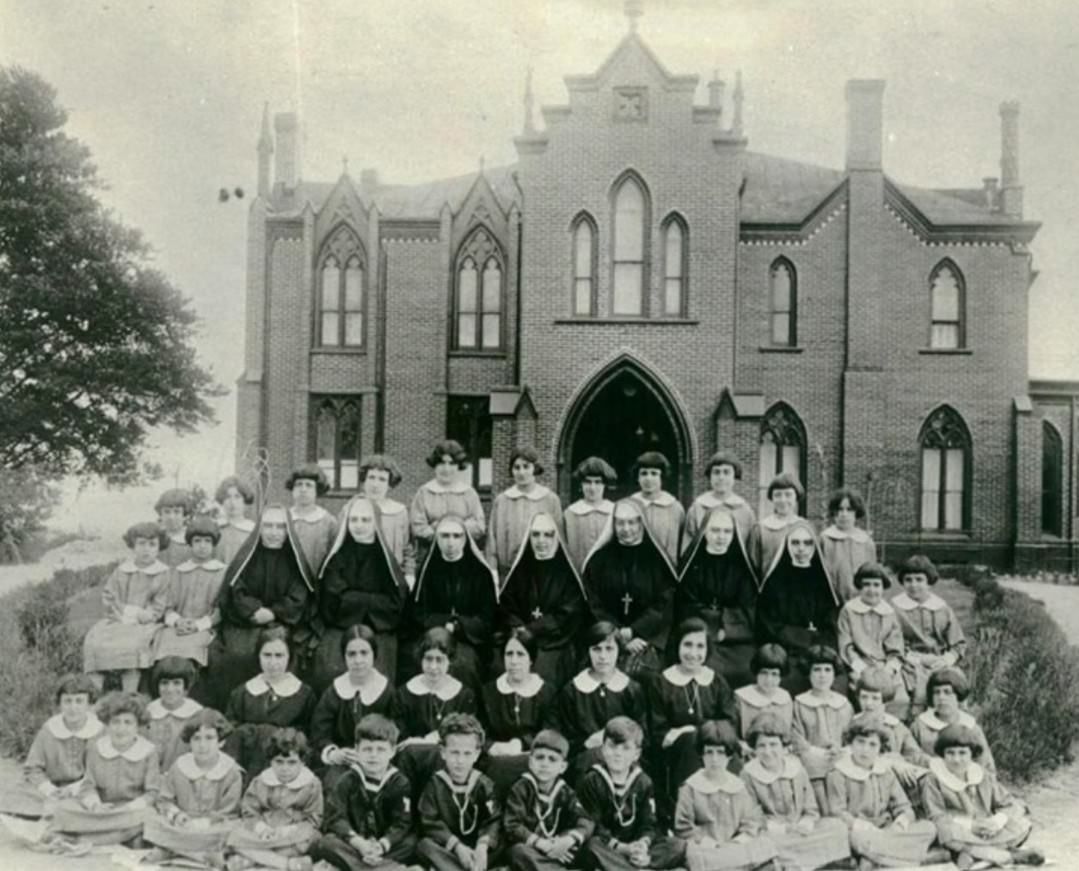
(174, 509)
(233, 495)
(716, 815)
(864, 793)
(947, 689)
(975, 817)
(585, 518)
(121, 781)
(315, 527)
(873, 690)
(199, 803)
(172, 710)
(514, 707)
(515, 506)
(275, 698)
(444, 494)
(361, 690)
(191, 611)
(792, 815)
(664, 514)
(931, 631)
(821, 716)
(765, 695)
(379, 473)
(769, 534)
(281, 810)
(722, 471)
(56, 762)
(869, 632)
(587, 702)
(845, 546)
(134, 597)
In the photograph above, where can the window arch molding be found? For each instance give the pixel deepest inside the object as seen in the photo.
(479, 294)
(630, 245)
(584, 265)
(336, 443)
(783, 303)
(674, 234)
(1052, 485)
(783, 443)
(947, 453)
(341, 290)
(947, 306)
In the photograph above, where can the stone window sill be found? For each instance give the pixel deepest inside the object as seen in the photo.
(477, 352)
(781, 349)
(335, 350)
(947, 352)
(649, 321)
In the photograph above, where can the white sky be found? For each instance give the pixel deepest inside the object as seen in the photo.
(168, 96)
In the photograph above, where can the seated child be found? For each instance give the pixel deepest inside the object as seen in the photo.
(873, 690)
(173, 509)
(121, 781)
(792, 816)
(845, 546)
(281, 810)
(544, 823)
(931, 631)
(172, 710)
(864, 793)
(821, 716)
(975, 817)
(460, 820)
(869, 633)
(134, 598)
(57, 759)
(769, 664)
(617, 795)
(199, 802)
(233, 495)
(716, 815)
(368, 808)
(946, 690)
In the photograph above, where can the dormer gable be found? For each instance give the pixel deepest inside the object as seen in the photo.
(481, 207)
(343, 206)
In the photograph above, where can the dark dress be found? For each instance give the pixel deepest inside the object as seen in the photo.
(340, 708)
(721, 589)
(510, 712)
(257, 711)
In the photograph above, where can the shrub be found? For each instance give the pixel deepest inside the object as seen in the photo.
(1025, 683)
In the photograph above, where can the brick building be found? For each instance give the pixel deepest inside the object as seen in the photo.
(641, 279)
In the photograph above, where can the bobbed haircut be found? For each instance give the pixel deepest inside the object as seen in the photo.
(116, 703)
(174, 668)
(600, 632)
(375, 727)
(448, 448)
(358, 632)
(871, 570)
(309, 472)
(918, 565)
(595, 467)
(175, 497)
(948, 677)
(688, 627)
(207, 718)
(718, 733)
(786, 481)
(525, 637)
(956, 735)
(148, 530)
(623, 730)
(242, 487)
(202, 526)
(286, 741)
(437, 638)
(866, 725)
(272, 632)
(461, 724)
(652, 460)
(76, 684)
(384, 463)
(854, 499)
(876, 679)
(529, 455)
(822, 654)
(767, 725)
(551, 739)
(723, 458)
(769, 656)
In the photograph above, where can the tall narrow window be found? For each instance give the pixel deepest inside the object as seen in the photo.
(468, 421)
(1052, 480)
(331, 313)
(629, 229)
(783, 298)
(782, 449)
(340, 284)
(584, 267)
(946, 463)
(674, 267)
(478, 301)
(337, 441)
(354, 302)
(947, 303)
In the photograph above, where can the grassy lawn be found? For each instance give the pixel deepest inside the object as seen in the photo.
(961, 599)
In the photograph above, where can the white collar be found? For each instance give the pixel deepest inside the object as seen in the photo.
(663, 499)
(587, 684)
(929, 718)
(304, 778)
(847, 765)
(189, 768)
(287, 687)
(210, 565)
(433, 486)
(244, 524)
(374, 785)
(791, 769)
(704, 677)
(582, 508)
(155, 568)
(459, 788)
(58, 728)
(449, 690)
(178, 537)
(751, 695)
(833, 700)
(975, 774)
(188, 708)
(135, 753)
(618, 789)
(860, 607)
(774, 522)
(389, 507)
(537, 492)
(906, 603)
(728, 783)
(369, 694)
(316, 515)
(708, 499)
(857, 534)
(527, 690)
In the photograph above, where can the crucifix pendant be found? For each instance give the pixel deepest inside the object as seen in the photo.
(811, 627)
(627, 600)
(537, 613)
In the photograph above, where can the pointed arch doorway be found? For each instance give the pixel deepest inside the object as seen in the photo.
(623, 411)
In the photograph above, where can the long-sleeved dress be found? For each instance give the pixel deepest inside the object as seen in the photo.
(293, 810)
(342, 705)
(767, 538)
(211, 795)
(134, 598)
(192, 595)
(513, 712)
(178, 550)
(258, 709)
(315, 533)
(397, 533)
(869, 635)
(933, 638)
(53, 768)
(584, 521)
(666, 517)
(453, 813)
(721, 824)
(744, 516)
(433, 501)
(926, 728)
(817, 731)
(752, 702)
(166, 727)
(511, 516)
(843, 554)
(233, 535)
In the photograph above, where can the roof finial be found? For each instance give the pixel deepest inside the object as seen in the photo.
(344, 164)
(634, 10)
(530, 126)
(739, 96)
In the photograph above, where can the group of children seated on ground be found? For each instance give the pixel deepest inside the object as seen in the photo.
(621, 686)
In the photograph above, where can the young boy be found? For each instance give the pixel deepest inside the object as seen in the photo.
(769, 535)
(619, 798)
(664, 514)
(459, 813)
(368, 810)
(544, 822)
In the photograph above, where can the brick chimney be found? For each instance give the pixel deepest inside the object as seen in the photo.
(1011, 191)
(715, 91)
(865, 99)
(287, 130)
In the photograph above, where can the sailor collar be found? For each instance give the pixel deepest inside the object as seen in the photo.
(975, 774)
(776, 523)
(137, 752)
(317, 515)
(448, 690)
(857, 535)
(833, 700)
(59, 730)
(389, 507)
(930, 719)
(663, 499)
(304, 778)
(582, 508)
(790, 770)
(674, 675)
(587, 684)
(373, 785)
(751, 695)
(537, 492)
(618, 789)
(527, 690)
(189, 768)
(155, 568)
(347, 690)
(906, 603)
(851, 769)
(433, 486)
(187, 708)
(460, 788)
(210, 565)
(244, 524)
(727, 783)
(859, 607)
(708, 499)
(286, 688)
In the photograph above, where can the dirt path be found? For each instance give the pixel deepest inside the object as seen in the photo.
(1060, 600)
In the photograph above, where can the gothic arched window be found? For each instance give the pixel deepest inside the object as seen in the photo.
(947, 294)
(341, 291)
(783, 303)
(584, 265)
(337, 440)
(628, 260)
(478, 300)
(782, 449)
(946, 469)
(675, 266)
(1052, 480)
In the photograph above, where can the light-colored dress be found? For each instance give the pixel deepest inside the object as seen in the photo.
(818, 726)
(166, 727)
(926, 728)
(315, 532)
(211, 796)
(766, 539)
(744, 518)
(397, 533)
(752, 703)
(511, 517)
(933, 639)
(53, 769)
(721, 823)
(178, 550)
(666, 517)
(869, 635)
(233, 534)
(843, 554)
(192, 595)
(433, 501)
(584, 522)
(293, 810)
(121, 641)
